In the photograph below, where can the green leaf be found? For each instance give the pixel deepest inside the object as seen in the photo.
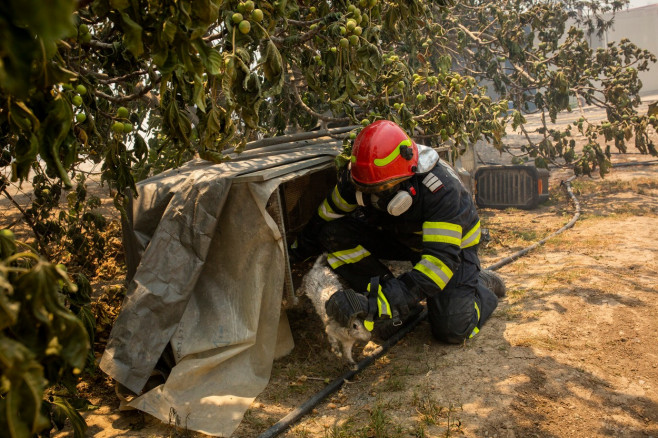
(54, 129)
(199, 93)
(141, 149)
(119, 5)
(42, 284)
(444, 64)
(207, 11)
(100, 7)
(88, 320)
(64, 408)
(169, 30)
(23, 117)
(273, 64)
(210, 57)
(132, 36)
(214, 63)
(213, 125)
(179, 124)
(8, 309)
(160, 57)
(7, 245)
(20, 407)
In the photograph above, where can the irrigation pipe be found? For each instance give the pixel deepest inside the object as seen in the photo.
(332, 387)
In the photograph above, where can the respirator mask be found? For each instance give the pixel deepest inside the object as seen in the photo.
(394, 201)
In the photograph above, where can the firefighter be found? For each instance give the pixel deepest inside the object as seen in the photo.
(397, 200)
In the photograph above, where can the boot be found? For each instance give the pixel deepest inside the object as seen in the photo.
(493, 282)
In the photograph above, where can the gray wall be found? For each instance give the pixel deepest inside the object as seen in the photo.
(640, 25)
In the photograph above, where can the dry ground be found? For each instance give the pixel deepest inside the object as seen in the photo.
(570, 352)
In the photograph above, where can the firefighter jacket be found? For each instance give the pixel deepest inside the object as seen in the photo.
(441, 222)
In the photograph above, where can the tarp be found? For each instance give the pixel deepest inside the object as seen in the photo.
(208, 278)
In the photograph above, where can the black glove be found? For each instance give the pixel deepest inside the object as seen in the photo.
(344, 305)
(390, 300)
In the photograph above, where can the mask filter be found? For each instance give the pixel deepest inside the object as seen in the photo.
(400, 203)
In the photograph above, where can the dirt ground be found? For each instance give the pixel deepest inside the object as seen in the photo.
(570, 352)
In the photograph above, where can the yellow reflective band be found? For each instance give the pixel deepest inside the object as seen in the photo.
(474, 332)
(472, 237)
(353, 159)
(477, 309)
(339, 258)
(383, 306)
(327, 213)
(435, 269)
(369, 325)
(340, 202)
(442, 232)
(393, 155)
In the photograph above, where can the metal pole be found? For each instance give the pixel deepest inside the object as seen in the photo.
(294, 137)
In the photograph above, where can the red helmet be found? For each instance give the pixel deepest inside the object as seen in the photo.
(382, 156)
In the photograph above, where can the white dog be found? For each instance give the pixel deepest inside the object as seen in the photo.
(319, 284)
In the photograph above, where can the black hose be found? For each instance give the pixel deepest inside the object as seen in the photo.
(302, 409)
(635, 163)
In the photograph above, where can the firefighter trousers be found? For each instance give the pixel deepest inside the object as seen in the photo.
(456, 313)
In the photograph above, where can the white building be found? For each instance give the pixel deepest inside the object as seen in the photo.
(640, 25)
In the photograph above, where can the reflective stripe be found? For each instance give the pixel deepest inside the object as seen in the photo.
(339, 258)
(476, 330)
(432, 182)
(443, 232)
(340, 202)
(380, 162)
(327, 213)
(435, 269)
(383, 306)
(472, 237)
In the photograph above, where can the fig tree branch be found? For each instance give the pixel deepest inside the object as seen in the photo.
(42, 247)
(127, 98)
(306, 108)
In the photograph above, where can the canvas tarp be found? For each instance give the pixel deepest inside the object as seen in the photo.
(209, 283)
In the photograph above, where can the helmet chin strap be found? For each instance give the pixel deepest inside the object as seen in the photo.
(359, 198)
